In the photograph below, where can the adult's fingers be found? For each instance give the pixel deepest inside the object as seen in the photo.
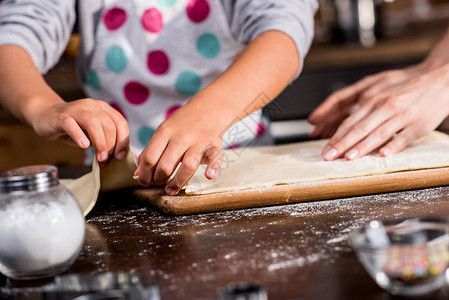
(376, 138)
(349, 135)
(329, 151)
(348, 92)
(334, 117)
(383, 84)
(404, 138)
(329, 131)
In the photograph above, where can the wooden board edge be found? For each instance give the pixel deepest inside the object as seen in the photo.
(294, 193)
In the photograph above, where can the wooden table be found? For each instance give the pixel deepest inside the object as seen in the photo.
(297, 251)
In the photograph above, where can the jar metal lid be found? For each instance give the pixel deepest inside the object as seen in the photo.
(36, 178)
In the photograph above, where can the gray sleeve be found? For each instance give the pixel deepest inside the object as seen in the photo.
(250, 18)
(41, 27)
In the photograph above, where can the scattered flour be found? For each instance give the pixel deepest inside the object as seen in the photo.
(271, 239)
(275, 242)
(288, 263)
(337, 239)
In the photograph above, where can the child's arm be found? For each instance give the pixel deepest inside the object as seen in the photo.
(27, 96)
(33, 35)
(192, 135)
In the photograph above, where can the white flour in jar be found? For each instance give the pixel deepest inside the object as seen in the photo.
(40, 235)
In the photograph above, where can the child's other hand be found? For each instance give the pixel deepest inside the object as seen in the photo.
(85, 122)
(190, 136)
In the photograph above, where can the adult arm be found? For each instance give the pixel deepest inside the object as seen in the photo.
(388, 110)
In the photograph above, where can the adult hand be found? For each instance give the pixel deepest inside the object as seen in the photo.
(397, 107)
(85, 122)
(190, 137)
(337, 107)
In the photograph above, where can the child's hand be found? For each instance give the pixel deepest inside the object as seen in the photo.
(193, 134)
(190, 136)
(85, 122)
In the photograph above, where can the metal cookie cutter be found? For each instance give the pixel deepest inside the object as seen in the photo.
(243, 291)
(105, 286)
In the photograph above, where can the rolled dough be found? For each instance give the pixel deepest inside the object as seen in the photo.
(248, 168)
(117, 175)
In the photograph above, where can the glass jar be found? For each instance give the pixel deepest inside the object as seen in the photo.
(41, 223)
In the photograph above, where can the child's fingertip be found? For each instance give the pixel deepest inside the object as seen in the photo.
(384, 152)
(170, 191)
(211, 173)
(102, 156)
(120, 155)
(84, 143)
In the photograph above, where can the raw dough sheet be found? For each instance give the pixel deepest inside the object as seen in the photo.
(247, 168)
(118, 175)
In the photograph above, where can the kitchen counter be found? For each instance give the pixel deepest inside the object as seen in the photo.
(389, 51)
(297, 251)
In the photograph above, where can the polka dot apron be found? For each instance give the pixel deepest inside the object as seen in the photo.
(151, 56)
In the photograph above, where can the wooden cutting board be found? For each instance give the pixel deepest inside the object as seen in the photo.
(292, 193)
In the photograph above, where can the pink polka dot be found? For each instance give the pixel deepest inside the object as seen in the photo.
(158, 62)
(118, 108)
(198, 10)
(152, 20)
(114, 18)
(233, 146)
(172, 110)
(136, 93)
(260, 130)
